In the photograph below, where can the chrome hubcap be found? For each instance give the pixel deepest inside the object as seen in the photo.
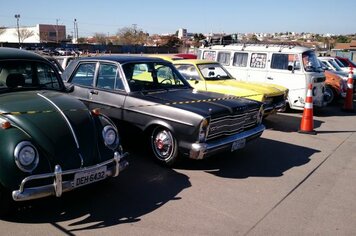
(163, 144)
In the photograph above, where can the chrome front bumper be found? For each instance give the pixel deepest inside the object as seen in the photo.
(202, 150)
(58, 187)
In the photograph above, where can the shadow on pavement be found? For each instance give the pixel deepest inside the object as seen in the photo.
(262, 158)
(286, 123)
(139, 190)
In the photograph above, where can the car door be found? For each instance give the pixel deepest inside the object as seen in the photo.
(108, 92)
(83, 79)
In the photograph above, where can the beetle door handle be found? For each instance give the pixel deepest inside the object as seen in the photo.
(270, 78)
(94, 92)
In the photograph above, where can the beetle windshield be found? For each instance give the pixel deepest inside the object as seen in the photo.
(153, 76)
(28, 75)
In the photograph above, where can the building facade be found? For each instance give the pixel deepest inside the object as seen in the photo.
(40, 33)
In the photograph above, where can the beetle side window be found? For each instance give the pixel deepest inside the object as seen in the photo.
(84, 74)
(224, 58)
(47, 77)
(240, 59)
(258, 60)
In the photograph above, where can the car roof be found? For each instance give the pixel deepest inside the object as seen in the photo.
(14, 53)
(123, 58)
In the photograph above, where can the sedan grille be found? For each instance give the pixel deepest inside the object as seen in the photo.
(232, 124)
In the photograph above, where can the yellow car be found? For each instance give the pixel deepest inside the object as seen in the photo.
(212, 76)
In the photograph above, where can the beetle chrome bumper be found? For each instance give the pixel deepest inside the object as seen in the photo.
(202, 150)
(58, 187)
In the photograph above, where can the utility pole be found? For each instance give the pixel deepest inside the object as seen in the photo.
(17, 16)
(57, 30)
(75, 39)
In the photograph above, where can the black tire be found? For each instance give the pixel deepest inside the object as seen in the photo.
(329, 95)
(6, 202)
(164, 146)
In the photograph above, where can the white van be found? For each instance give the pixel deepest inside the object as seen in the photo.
(293, 67)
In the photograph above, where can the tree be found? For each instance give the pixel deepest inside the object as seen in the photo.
(100, 38)
(342, 39)
(24, 34)
(131, 36)
(197, 38)
(171, 41)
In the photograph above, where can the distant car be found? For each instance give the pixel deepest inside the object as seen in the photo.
(154, 101)
(211, 76)
(167, 57)
(50, 143)
(64, 60)
(335, 86)
(346, 62)
(186, 55)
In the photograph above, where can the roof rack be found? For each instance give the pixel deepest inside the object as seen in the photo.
(232, 40)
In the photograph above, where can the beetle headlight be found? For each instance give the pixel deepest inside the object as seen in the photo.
(26, 156)
(111, 137)
(203, 131)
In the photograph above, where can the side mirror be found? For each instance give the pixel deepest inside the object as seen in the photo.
(291, 68)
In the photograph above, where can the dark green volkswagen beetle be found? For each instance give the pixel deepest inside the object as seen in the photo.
(50, 142)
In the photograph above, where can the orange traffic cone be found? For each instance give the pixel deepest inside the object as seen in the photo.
(307, 123)
(348, 104)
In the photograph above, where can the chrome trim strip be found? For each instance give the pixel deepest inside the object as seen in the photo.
(64, 116)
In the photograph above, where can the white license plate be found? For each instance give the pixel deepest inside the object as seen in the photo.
(238, 144)
(87, 177)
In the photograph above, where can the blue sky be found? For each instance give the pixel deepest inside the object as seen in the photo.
(164, 16)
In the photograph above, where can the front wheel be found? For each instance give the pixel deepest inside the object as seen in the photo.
(329, 95)
(164, 146)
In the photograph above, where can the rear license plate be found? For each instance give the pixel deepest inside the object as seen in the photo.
(87, 177)
(238, 144)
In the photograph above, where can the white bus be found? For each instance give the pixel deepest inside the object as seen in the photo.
(293, 67)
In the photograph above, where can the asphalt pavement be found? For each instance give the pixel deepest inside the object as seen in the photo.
(284, 183)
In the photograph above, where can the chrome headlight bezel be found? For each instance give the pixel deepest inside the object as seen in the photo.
(203, 130)
(23, 161)
(110, 137)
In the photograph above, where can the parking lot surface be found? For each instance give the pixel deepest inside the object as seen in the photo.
(284, 183)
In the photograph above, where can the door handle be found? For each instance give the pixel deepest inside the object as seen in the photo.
(94, 92)
(270, 78)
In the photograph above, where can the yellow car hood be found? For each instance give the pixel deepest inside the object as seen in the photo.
(246, 87)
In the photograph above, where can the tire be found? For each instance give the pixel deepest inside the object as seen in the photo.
(6, 202)
(164, 146)
(329, 95)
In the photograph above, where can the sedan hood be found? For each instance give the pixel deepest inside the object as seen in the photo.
(257, 88)
(202, 103)
(48, 129)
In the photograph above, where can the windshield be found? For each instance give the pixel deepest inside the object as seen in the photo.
(214, 71)
(153, 76)
(310, 62)
(28, 75)
(336, 66)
